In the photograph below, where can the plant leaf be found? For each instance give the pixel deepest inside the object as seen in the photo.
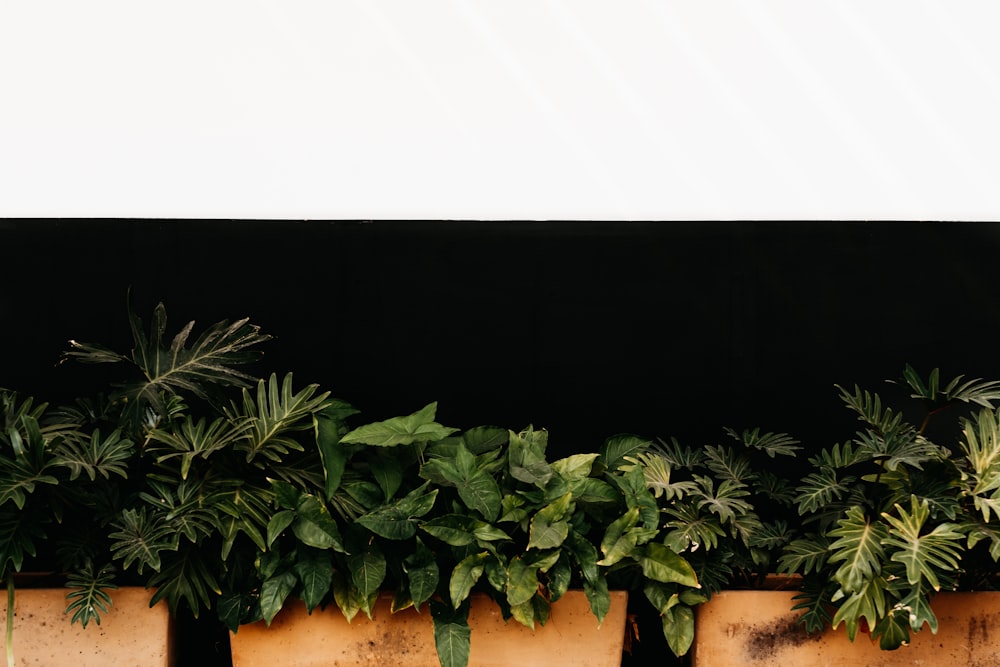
(417, 427)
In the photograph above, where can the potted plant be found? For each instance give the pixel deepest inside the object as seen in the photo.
(424, 517)
(888, 521)
(725, 508)
(156, 481)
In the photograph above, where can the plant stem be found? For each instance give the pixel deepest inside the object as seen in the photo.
(10, 621)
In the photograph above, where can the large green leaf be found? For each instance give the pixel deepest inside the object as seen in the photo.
(368, 569)
(522, 581)
(860, 549)
(464, 577)
(550, 526)
(314, 569)
(867, 601)
(678, 628)
(452, 636)
(660, 563)
(315, 526)
(417, 427)
(422, 574)
(620, 538)
(476, 486)
(576, 467)
(616, 449)
(330, 425)
(273, 593)
(398, 521)
(923, 555)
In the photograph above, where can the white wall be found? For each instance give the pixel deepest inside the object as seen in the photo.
(500, 109)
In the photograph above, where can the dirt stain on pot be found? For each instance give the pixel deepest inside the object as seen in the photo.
(764, 642)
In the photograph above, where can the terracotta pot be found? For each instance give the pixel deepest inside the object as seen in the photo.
(571, 637)
(131, 634)
(758, 628)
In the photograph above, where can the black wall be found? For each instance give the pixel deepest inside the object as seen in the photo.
(585, 328)
(588, 329)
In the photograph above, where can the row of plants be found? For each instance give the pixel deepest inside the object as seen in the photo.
(229, 494)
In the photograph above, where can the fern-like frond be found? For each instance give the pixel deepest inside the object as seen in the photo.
(207, 361)
(20, 533)
(192, 439)
(773, 444)
(869, 409)
(677, 455)
(728, 464)
(841, 455)
(726, 500)
(657, 473)
(139, 537)
(804, 555)
(95, 456)
(29, 463)
(186, 578)
(275, 414)
(691, 530)
(821, 488)
(89, 596)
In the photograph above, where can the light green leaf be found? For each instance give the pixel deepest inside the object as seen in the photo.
(619, 538)
(522, 581)
(417, 427)
(464, 577)
(859, 547)
(660, 563)
(678, 628)
(548, 527)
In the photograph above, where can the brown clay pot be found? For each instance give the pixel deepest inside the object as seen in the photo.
(758, 629)
(131, 634)
(571, 637)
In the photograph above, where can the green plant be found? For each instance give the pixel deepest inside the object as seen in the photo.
(724, 508)
(161, 479)
(433, 514)
(222, 491)
(893, 516)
